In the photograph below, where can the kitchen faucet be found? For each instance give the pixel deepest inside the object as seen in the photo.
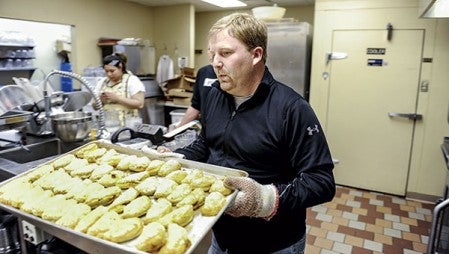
(47, 99)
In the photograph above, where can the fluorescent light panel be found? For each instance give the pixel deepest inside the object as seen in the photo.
(225, 3)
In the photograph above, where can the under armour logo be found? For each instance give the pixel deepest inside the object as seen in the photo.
(311, 131)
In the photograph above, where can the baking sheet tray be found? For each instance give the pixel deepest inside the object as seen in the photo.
(197, 229)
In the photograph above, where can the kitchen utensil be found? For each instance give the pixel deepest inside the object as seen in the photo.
(72, 126)
(74, 101)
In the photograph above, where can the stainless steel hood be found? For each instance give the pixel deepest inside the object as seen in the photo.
(434, 8)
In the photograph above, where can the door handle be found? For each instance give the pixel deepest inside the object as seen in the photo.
(411, 116)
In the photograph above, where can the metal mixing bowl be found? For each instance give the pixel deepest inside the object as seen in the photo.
(72, 126)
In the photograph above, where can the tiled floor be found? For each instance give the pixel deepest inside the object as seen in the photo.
(360, 222)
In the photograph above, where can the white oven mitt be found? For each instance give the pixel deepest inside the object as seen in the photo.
(156, 153)
(253, 199)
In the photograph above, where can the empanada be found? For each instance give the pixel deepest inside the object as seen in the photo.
(168, 167)
(71, 218)
(157, 210)
(139, 164)
(177, 176)
(125, 197)
(213, 204)
(63, 161)
(153, 237)
(148, 186)
(137, 207)
(177, 240)
(179, 193)
(165, 187)
(131, 180)
(154, 166)
(90, 218)
(182, 216)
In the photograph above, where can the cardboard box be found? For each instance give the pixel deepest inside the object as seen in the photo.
(180, 96)
(181, 82)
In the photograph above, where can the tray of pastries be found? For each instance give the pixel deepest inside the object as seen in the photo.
(104, 198)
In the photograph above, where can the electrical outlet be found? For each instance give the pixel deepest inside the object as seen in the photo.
(32, 233)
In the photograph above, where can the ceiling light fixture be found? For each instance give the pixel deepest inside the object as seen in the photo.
(226, 4)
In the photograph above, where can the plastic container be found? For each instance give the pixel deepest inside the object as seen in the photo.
(268, 13)
(177, 115)
(66, 82)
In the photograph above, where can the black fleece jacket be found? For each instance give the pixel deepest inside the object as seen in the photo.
(276, 137)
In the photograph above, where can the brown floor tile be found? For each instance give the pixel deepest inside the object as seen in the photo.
(358, 250)
(374, 218)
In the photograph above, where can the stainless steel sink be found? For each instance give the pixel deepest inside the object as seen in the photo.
(17, 160)
(32, 152)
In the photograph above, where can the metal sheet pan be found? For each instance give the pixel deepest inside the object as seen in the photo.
(197, 229)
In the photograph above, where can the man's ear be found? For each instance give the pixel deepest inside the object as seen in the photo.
(257, 55)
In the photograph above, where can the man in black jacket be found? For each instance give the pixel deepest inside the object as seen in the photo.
(254, 123)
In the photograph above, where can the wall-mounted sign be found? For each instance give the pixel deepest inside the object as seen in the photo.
(375, 51)
(375, 62)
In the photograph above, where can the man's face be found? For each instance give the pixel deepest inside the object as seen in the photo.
(232, 62)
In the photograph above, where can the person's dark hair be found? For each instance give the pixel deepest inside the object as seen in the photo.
(116, 59)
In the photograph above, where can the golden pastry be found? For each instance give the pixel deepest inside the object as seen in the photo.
(154, 166)
(157, 210)
(124, 230)
(76, 163)
(148, 186)
(103, 224)
(12, 192)
(111, 157)
(213, 204)
(81, 151)
(203, 182)
(84, 172)
(39, 172)
(193, 174)
(218, 186)
(177, 176)
(63, 161)
(168, 167)
(137, 207)
(177, 240)
(179, 193)
(194, 198)
(139, 164)
(53, 179)
(73, 216)
(182, 216)
(56, 206)
(100, 170)
(111, 178)
(131, 180)
(102, 197)
(165, 187)
(33, 197)
(76, 185)
(90, 187)
(88, 220)
(125, 162)
(125, 197)
(153, 237)
(93, 155)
